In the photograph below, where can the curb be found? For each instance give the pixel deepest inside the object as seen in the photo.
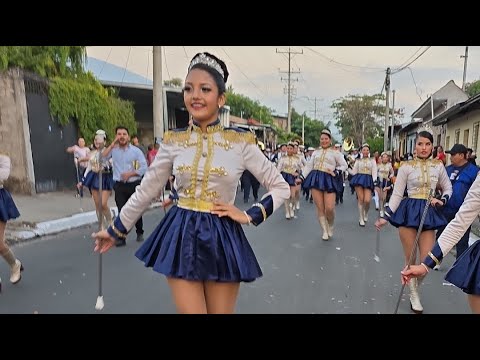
(52, 227)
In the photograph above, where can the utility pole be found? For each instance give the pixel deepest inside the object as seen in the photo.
(393, 121)
(157, 94)
(464, 67)
(289, 86)
(315, 111)
(387, 110)
(303, 129)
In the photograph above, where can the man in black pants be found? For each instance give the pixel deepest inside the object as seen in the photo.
(129, 166)
(249, 181)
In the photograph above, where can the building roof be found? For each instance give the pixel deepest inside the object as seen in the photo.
(410, 126)
(105, 71)
(457, 111)
(439, 98)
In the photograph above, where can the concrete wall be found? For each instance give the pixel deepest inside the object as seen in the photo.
(14, 132)
(467, 122)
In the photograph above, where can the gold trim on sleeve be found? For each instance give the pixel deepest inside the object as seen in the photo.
(434, 258)
(264, 212)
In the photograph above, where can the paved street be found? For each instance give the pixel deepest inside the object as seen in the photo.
(302, 273)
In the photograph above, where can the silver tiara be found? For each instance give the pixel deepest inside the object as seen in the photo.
(204, 59)
(426, 128)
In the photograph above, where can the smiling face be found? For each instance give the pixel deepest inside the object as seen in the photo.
(365, 151)
(201, 96)
(325, 141)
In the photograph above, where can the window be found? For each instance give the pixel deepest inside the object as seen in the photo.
(439, 138)
(457, 136)
(466, 134)
(447, 143)
(475, 136)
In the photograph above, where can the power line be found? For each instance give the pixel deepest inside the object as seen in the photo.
(165, 57)
(185, 50)
(148, 65)
(105, 62)
(411, 56)
(411, 62)
(414, 83)
(262, 92)
(126, 64)
(377, 69)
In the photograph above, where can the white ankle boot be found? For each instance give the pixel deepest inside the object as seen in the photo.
(415, 303)
(324, 225)
(365, 214)
(361, 221)
(16, 272)
(287, 210)
(330, 228)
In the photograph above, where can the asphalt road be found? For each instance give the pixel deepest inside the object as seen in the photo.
(302, 273)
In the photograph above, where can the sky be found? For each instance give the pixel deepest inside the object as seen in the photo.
(324, 73)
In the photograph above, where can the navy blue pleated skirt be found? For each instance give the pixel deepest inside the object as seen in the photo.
(385, 183)
(92, 181)
(289, 178)
(409, 214)
(465, 272)
(321, 181)
(8, 209)
(200, 246)
(363, 180)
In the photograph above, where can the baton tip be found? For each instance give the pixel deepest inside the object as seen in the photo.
(376, 258)
(99, 305)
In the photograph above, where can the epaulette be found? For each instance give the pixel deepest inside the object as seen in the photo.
(437, 162)
(176, 135)
(237, 129)
(237, 135)
(404, 162)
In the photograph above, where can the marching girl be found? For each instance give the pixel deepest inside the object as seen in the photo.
(364, 179)
(91, 177)
(418, 177)
(200, 245)
(385, 185)
(300, 154)
(465, 272)
(8, 211)
(290, 167)
(319, 174)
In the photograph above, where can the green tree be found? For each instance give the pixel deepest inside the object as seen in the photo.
(245, 107)
(356, 116)
(175, 82)
(312, 128)
(46, 61)
(72, 92)
(376, 144)
(472, 88)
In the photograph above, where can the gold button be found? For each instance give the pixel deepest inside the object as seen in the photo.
(204, 154)
(205, 137)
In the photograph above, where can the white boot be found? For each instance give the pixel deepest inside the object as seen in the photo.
(16, 272)
(292, 208)
(330, 228)
(360, 212)
(415, 303)
(365, 212)
(287, 209)
(324, 225)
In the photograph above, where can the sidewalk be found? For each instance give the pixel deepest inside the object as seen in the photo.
(51, 213)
